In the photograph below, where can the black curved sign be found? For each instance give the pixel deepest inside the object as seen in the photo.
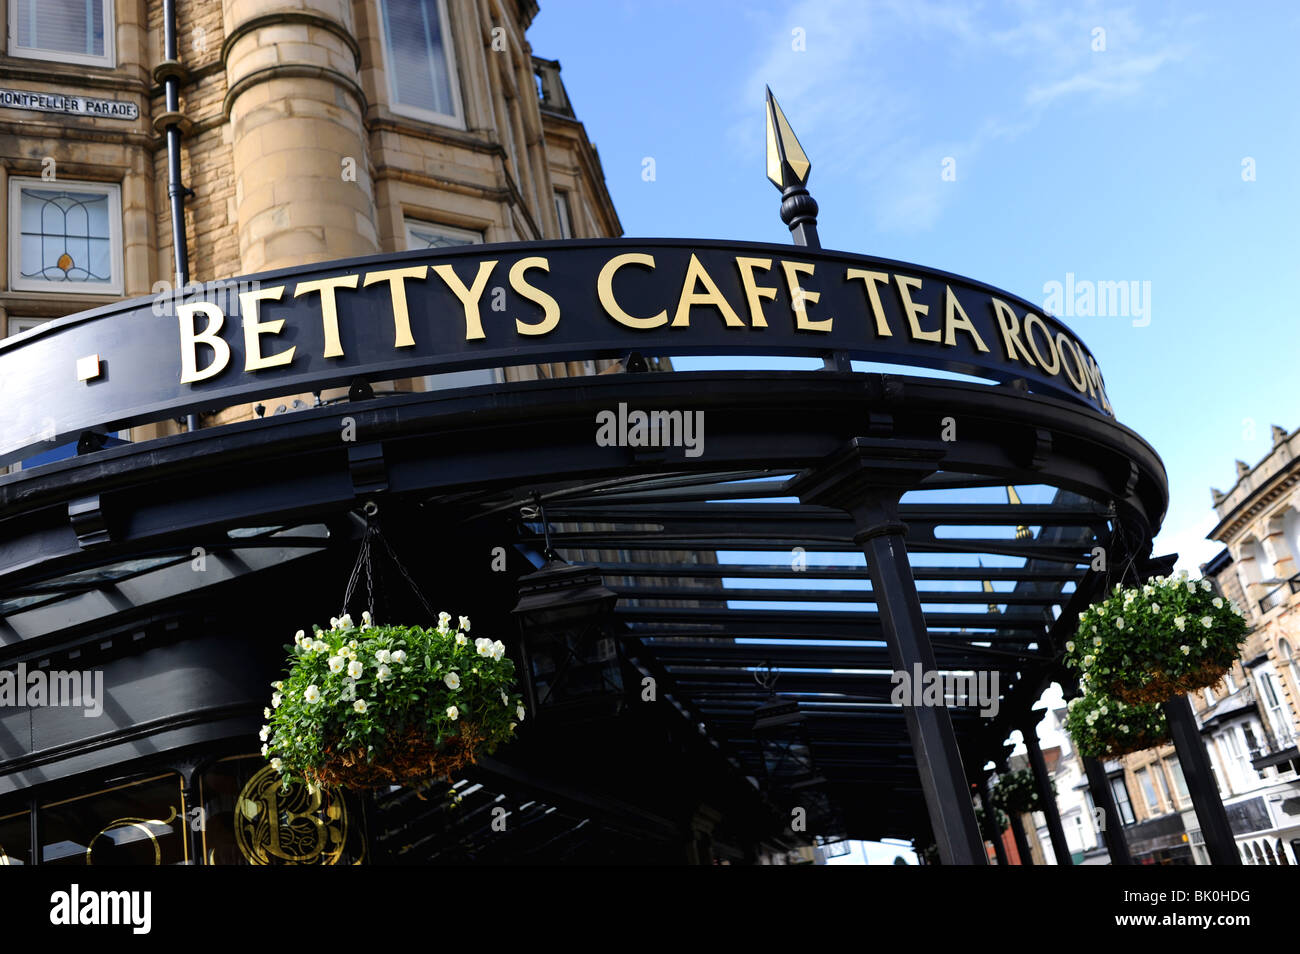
(483, 306)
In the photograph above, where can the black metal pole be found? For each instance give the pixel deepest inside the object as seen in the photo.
(175, 191)
(1112, 825)
(998, 848)
(1055, 831)
(1195, 762)
(1022, 843)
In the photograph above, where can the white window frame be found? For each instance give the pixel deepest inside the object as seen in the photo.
(564, 212)
(1147, 786)
(17, 283)
(18, 324)
(108, 60)
(471, 237)
(453, 74)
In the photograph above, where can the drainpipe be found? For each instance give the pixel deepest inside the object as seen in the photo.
(171, 73)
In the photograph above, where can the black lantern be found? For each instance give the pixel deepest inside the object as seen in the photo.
(570, 654)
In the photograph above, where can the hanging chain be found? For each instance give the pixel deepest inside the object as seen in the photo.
(365, 559)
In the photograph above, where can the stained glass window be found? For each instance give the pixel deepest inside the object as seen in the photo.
(67, 237)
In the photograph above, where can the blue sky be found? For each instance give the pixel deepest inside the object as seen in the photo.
(1129, 163)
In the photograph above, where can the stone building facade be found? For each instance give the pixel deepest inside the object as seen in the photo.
(312, 130)
(1251, 720)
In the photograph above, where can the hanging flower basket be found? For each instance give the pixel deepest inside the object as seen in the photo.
(1016, 792)
(369, 706)
(1147, 644)
(991, 824)
(1103, 727)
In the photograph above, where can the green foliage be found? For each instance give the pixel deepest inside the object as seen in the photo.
(1016, 792)
(1146, 644)
(1103, 727)
(991, 824)
(366, 691)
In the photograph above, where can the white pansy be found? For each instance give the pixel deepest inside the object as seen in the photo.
(1155, 607)
(352, 644)
(276, 699)
(1218, 602)
(1180, 622)
(453, 713)
(320, 646)
(512, 726)
(464, 623)
(1096, 640)
(1123, 728)
(354, 669)
(265, 749)
(383, 656)
(1069, 646)
(266, 713)
(264, 733)
(365, 616)
(1185, 649)
(1207, 622)
(1191, 586)
(311, 694)
(384, 673)
(359, 705)
(519, 712)
(461, 639)
(443, 620)
(345, 621)
(299, 636)
(399, 656)
(1119, 622)
(452, 679)
(505, 700)
(277, 764)
(335, 663)
(334, 622)
(278, 684)
(498, 649)
(1205, 586)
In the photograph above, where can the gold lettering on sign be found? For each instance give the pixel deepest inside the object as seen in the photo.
(278, 826)
(914, 311)
(396, 278)
(1079, 376)
(712, 295)
(469, 297)
(254, 360)
(1032, 321)
(329, 312)
(605, 291)
(871, 280)
(191, 339)
(754, 293)
(550, 307)
(1009, 325)
(951, 309)
(800, 297)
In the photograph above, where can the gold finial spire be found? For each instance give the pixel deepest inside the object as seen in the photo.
(1022, 532)
(787, 163)
(988, 588)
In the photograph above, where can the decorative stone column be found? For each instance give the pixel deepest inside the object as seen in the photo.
(296, 108)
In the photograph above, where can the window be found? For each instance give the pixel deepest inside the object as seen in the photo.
(1292, 662)
(1120, 793)
(1180, 782)
(1209, 695)
(1230, 684)
(562, 213)
(1277, 714)
(18, 325)
(66, 31)
(69, 236)
(420, 61)
(1149, 790)
(1162, 783)
(430, 235)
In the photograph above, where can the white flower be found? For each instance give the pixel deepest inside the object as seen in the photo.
(1096, 640)
(1205, 586)
(519, 711)
(299, 636)
(265, 749)
(334, 622)
(1069, 646)
(484, 646)
(320, 646)
(359, 705)
(464, 623)
(512, 726)
(365, 616)
(443, 620)
(264, 733)
(352, 644)
(350, 653)
(345, 621)
(1088, 660)
(277, 684)
(336, 663)
(505, 700)
(311, 694)
(1123, 728)
(399, 656)
(1191, 586)
(461, 639)
(277, 764)
(1185, 649)
(385, 673)
(1207, 622)
(1180, 622)
(498, 649)
(266, 713)
(452, 679)
(1083, 616)
(453, 713)
(1119, 622)
(354, 669)
(383, 656)
(1205, 643)
(276, 699)
(1218, 602)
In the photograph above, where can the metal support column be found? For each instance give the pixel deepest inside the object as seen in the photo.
(998, 847)
(1111, 824)
(866, 480)
(1022, 843)
(1029, 729)
(1195, 762)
